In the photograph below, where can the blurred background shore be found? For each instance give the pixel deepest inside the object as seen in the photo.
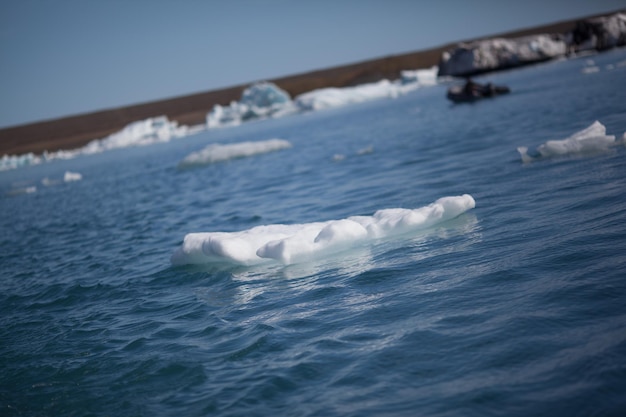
(77, 130)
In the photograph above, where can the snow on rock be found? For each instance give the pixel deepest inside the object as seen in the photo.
(499, 53)
(599, 33)
(140, 133)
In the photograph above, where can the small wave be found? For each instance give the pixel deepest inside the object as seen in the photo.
(218, 153)
(24, 190)
(297, 243)
(589, 141)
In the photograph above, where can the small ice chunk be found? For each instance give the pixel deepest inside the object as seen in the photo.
(72, 176)
(590, 140)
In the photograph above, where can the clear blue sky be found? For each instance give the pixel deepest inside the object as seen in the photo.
(66, 57)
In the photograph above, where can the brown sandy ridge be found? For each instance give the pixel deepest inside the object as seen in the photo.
(75, 131)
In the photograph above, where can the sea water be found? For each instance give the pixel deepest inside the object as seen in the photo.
(516, 306)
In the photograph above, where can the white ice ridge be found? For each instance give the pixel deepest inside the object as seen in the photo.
(590, 140)
(217, 152)
(297, 243)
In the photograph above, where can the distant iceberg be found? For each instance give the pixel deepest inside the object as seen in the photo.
(259, 101)
(140, 133)
(218, 153)
(8, 162)
(265, 99)
(289, 244)
(424, 77)
(325, 98)
(590, 140)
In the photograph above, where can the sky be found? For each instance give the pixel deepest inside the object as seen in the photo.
(67, 57)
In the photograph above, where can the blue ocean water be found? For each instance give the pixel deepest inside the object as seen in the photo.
(517, 307)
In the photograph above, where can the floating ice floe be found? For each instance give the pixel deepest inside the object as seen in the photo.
(218, 153)
(67, 177)
(72, 176)
(289, 244)
(590, 140)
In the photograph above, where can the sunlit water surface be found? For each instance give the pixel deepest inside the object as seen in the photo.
(517, 307)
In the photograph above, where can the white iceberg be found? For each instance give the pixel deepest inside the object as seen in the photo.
(70, 176)
(218, 153)
(265, 99)
(591, 140)
(424, 77)
(140, 133)
(325, 98)
(289, 244)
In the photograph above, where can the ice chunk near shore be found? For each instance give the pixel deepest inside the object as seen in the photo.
(265, 99)
(143, 132)
(289, 244)
(590, 140)
(259, 101)
(325, 98)
(140, 133)
(8, 162)
(423, 77)
(217, 152)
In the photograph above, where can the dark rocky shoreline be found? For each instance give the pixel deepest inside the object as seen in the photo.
(76, 131)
